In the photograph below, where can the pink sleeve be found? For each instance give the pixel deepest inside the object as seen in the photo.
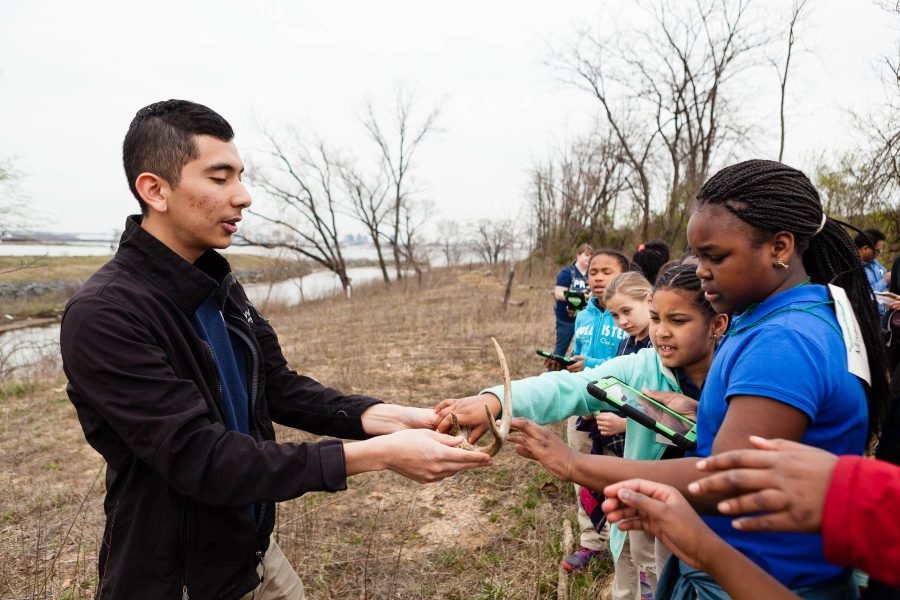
(861, 518)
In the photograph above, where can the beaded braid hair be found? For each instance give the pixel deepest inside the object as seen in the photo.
(774, 197)
(683, 279)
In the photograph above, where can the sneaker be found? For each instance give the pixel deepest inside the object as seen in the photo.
(646, 590)
(578, 560)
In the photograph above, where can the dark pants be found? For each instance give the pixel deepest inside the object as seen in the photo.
(565, 331)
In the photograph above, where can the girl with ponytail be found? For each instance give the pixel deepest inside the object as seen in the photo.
(766, 254)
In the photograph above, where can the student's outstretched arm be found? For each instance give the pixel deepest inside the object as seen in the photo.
(746, 416)
(851, 500)
(664, 512)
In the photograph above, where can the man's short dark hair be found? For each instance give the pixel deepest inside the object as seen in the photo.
(160, 140)
(869, 237)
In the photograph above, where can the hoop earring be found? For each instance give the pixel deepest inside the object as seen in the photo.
(780, 263)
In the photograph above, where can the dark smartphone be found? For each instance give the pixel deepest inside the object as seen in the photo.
(563, 360)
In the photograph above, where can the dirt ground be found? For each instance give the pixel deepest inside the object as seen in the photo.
(485, 534)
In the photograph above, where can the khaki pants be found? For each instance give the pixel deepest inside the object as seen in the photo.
(580, 442)
(280, 582)
(638, 554)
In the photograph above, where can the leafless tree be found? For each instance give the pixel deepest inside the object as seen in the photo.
(13, 212)
(449, 239)
(575, 192)
(414, 214)
(398, 136)
(877, 167)
(369, 203)
(300, 178)
(663, 90)
(492, 238)
(783, 75)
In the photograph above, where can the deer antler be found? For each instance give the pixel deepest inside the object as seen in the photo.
(505, 419)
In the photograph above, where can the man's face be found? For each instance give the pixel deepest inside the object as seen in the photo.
(866, 254)
(203, 211)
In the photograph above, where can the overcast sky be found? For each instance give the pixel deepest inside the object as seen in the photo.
(72, 75)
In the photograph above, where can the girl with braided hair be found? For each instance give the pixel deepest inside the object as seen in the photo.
(684, 330)
(766, 253)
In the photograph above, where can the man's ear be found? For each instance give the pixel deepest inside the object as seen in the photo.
(154, 190)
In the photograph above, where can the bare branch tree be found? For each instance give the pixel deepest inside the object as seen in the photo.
(370, 205)
(492, 238)
(414, 214)
(449, 239)
(13, 212)
(783, 75)
(299, 178)
(397, 143)
(664, 93)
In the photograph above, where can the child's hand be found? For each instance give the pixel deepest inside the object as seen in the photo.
(680, 403)
(540, 444)
(552, 365)
(663, 511)
(789, 484)
(469, 411)
(610, 424)
(577, 366)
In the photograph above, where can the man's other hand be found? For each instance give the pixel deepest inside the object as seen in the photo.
(418, 454)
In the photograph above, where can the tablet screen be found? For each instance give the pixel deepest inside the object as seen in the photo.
(651, 410)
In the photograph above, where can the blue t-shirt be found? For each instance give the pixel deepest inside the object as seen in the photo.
(570, 277)
(231, 362)
(799, 359)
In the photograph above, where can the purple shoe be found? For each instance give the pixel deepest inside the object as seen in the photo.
(580, 559)
(646, 590)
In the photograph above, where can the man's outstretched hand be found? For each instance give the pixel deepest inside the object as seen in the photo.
(418, 454)
(469, 411)
(381, 419)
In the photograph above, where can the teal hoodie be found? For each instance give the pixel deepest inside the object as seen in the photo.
(597, 336)
(557, 395)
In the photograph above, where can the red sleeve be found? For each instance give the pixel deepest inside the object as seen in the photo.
(861, 519)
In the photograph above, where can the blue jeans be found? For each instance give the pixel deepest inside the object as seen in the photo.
(565, 331)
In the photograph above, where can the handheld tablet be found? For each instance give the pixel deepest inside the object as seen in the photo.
(563, 360)
(646, 411)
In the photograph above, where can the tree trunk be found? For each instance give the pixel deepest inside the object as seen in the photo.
(512, 273)
(381, 263)
(345, 282)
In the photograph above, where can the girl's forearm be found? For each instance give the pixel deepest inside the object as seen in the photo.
(740, 577)
(595, 472)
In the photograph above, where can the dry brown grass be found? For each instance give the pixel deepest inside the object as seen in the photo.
(489, 533)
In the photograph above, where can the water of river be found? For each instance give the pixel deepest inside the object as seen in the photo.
(26, 348)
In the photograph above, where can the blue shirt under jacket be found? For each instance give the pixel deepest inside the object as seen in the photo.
(231, 362)
(797, 358)
(875, 273)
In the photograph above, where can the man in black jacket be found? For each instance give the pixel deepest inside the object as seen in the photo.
(177, 379)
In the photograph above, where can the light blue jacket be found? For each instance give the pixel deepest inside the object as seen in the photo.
(558, 395)
(875, 271)
(597, 336)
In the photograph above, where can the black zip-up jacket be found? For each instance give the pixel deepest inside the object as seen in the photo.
(148, 395)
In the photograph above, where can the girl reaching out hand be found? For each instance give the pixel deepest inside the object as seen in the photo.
(766, 253)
